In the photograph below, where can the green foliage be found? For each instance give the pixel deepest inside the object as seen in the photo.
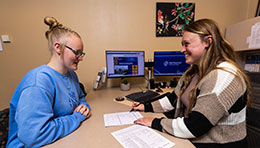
(125, 82)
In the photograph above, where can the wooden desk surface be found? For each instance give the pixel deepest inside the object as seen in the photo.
(93, 134)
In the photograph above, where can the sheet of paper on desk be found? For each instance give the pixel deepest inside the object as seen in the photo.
(122, 118)
(138, 136)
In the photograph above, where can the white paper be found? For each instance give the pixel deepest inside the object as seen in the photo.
(138, 136)
(1, 48)
(254, 39)
(122, 118)
(248, 67)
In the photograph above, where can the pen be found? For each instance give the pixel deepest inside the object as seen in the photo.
(135, 106)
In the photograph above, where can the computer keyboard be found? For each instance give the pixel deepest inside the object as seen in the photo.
(144, 96)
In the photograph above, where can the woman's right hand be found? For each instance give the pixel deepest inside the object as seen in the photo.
(137, 106)
(84, 110)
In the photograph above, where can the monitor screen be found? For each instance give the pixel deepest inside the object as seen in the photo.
(169, 63)
(125, 64)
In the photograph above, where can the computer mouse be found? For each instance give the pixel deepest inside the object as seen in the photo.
(159, 90)
(119, 98)
(144, 91)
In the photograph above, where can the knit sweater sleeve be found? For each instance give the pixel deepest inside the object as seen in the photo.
(167, 103)
(218, 92)
(162, 105)
(38, 118)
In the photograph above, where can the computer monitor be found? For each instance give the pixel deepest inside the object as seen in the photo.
(122, 64)
(169, 63)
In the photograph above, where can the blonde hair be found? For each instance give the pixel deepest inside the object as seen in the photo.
(57, 32)
(219, 50)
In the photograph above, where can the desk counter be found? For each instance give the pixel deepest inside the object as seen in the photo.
(93, 134)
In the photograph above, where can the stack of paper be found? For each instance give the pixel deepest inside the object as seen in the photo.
(138, 136)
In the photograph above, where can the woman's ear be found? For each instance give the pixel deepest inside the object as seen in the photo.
(56, 47)
(209, 40)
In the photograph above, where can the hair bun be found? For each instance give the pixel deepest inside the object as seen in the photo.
(56, 28)
(51, 22)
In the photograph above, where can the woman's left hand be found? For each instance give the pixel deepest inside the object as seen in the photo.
(83, 109)
(147, 121)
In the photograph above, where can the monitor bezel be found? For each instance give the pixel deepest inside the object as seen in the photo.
(128, 76)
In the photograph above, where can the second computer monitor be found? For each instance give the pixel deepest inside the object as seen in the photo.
(125, 64)
(169, 63)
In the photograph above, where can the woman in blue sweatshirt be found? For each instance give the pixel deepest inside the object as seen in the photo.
(49, 104)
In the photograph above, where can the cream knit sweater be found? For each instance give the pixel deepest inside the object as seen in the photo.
(219, 115)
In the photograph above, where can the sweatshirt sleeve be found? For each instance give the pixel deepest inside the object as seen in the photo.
(82, 99)
(37, 124)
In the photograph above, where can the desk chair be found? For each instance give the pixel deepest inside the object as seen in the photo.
(4, 125)
(253, 112)
(83, 89)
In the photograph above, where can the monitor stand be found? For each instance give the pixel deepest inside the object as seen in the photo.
(149, 77)
(149, 64)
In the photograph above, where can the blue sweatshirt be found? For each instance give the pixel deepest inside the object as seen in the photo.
(41, 109)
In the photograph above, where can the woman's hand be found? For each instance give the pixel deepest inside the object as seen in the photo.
(146, 121)
(137, 106)
(83, 109)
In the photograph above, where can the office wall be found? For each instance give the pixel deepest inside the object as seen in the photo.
(252, 6)
(103, 24)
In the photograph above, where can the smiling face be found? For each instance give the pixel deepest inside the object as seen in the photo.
(70, 60)
(193, 47)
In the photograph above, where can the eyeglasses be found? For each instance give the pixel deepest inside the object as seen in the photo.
(78, 53)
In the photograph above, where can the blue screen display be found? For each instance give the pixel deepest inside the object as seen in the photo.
(125, 63)
(169, 63)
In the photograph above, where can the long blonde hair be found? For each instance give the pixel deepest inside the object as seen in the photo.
(219, 50)
(57, 32)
